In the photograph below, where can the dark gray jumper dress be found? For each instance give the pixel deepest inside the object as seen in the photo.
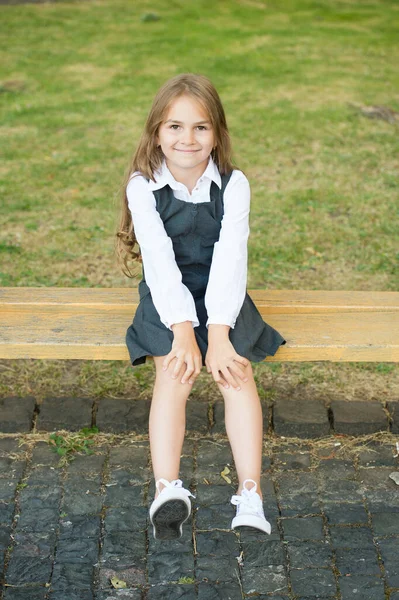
(194, 228)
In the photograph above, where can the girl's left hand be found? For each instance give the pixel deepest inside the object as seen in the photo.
(223, 362)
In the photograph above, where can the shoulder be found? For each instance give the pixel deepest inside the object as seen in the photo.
(139, 195)
(136, 182)
(238, 185)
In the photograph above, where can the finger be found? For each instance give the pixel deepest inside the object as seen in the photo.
(238, 371)
(188, 372)
(197, 370)
(244, 361)
(167, 360)
(178, 366)
(218, 377)
(230, 379)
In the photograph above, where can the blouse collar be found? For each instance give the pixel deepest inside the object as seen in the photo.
(164, 177)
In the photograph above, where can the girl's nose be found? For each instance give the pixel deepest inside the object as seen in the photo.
(188, 137)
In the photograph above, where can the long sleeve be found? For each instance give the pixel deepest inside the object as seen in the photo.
(228, 275)
(172, 299)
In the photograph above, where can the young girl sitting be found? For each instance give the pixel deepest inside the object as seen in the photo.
(187, 207)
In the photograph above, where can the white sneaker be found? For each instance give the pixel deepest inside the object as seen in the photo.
(249, 509)
(170, 510)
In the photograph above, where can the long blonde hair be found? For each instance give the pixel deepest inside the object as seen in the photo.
(148, 157)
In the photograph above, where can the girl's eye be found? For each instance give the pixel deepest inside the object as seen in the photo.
(202, 127)
(174, 126)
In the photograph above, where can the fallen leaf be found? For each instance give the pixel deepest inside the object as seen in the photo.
(224, 474)
(118, 583)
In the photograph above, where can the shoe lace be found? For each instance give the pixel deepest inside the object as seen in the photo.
(175, 483)
(248, 499)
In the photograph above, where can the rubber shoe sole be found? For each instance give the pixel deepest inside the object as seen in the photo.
(251, 521)
(168, 519)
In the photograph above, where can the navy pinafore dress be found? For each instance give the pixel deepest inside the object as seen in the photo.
(194, 228)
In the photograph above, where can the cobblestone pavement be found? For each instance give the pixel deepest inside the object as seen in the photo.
(72, 531)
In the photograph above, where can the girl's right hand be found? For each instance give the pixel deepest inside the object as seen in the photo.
(185, 349)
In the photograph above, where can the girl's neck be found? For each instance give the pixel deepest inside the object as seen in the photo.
(188, 177)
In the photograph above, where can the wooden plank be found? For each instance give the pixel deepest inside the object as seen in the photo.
(272, 301)
(67, 323)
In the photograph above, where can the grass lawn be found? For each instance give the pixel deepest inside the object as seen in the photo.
(298, 80)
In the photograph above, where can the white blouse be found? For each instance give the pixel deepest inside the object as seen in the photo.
(226, 288)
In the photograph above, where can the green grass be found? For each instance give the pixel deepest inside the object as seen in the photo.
(77, 80)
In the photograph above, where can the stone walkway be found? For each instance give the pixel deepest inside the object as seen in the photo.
(78, 531)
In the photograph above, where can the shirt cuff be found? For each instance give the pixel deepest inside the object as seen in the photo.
(194, 322)
(222, 320)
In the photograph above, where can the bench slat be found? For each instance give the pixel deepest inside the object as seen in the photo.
(90, 323)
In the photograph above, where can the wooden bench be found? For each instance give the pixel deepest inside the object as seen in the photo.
(90, 323)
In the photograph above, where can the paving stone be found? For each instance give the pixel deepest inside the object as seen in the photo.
(382, 500)
(335, 491)
(88, 464)
(217, 569)
(168, 567)
(25, 593)
(309, 554)
(87, 526)
(217, 543)
(44, 475)
(7, 490)
(264, 580)
(28, 569)
(299, 461)
(356, 561)
(377, 479)
(218, 516)
(77, 550)
(35, 497)
(334, 469)
(170, 592)
(313, 582)
(300, 418)
(265, 552)
(393, 409)
(71, 414)
(212, 458)
(34, 544)
(209, 495)
(306, 528)
(11, 468)
(16, 414)
(124, 550)
(121, 416)
(9, 445)
(70, 579)
(75, 594)
(129, 594)
(394, 596)
(223, 591)
(385, 523)
(6, 512)
(358, 418)
(197, 416)
(376, 455)
(351, 537)
(364, 587)
(133, 457)
(44, 520)
(389, 553)
(345, 514)
(82, 504)
(124, 496)
(134, 518)
(133, 576)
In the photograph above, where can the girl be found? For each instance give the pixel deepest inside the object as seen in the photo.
(187, 207)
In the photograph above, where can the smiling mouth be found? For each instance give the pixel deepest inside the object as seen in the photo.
(186, 151)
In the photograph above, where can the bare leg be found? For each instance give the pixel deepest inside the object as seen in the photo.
(167, 421)
(244, 427)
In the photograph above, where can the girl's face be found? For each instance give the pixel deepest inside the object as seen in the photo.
(186, 137)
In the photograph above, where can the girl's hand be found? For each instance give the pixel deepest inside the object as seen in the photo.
(185, 349)
(224, 363)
